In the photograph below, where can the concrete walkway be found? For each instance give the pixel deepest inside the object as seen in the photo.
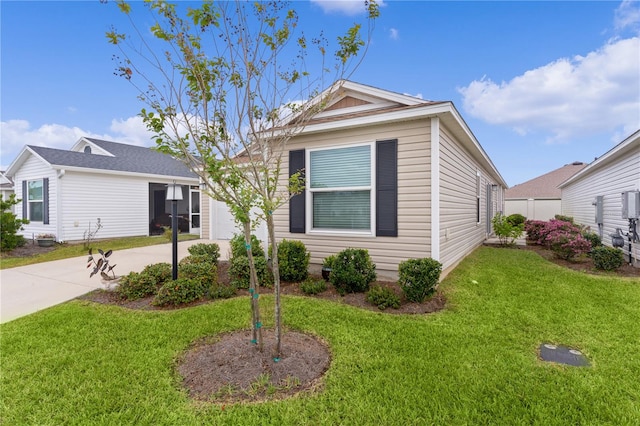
(27, 289)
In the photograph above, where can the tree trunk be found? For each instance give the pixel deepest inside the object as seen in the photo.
(276, 286)
(256, 325)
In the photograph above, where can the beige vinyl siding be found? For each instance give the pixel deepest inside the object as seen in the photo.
(33, 169)
(459, 231)
(121, 203)
(205, 216)
(413, 196)
(609, 181)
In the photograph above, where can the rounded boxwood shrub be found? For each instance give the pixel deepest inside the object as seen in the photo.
(180, 291)
(516, 219)
(206, 273)
(418, 278)
(293, 260)
(593, 238)
(161, 272)
(238, 248)
(311, 286)
(352, 271)
(383, 297)
(196, 258)
(239, 272)
(210, 250)
(607, 258)
(135, 286)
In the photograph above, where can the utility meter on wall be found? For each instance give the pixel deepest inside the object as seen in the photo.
(631, 205)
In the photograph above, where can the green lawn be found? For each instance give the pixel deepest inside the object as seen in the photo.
(65, 251)
(474, 363)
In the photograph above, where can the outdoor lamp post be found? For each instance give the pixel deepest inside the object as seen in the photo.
(174, 193)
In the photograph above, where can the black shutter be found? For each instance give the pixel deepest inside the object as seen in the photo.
(45, 201)
(387, 188)
(25, 200)
(297, 202)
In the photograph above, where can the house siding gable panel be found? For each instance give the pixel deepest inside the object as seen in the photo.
(413, 196)
(609, 181)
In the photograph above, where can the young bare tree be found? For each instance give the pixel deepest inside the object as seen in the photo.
(227, 85)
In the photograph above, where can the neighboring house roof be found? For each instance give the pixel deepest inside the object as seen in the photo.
(627, 145)
(6, 183)
(545, 186)
(114, 157)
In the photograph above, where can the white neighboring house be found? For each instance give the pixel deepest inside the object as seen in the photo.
(64, 192)
(540, 197)
(593, 196)
(6, 187)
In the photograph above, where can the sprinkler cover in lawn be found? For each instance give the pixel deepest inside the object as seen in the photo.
(563, 355)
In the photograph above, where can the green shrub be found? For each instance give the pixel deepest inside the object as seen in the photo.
(311, 286)
(607, 258)
(418, 278)
(328, 261)
(239, 272)
(210, 250)
(206, 273)
(10, 225)
(507, 232)
(180, 291)
(564, 218)
(238, 248)
(293, 260)
(593, 238)
(135, 286)
(516, 219)
(352, 271)
(221, 291)
(383, 298)
(194, 259)
(161, 272)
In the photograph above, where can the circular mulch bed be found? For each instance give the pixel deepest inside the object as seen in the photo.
(229, 368)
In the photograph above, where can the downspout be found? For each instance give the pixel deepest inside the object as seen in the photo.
(435, 188)
(59, 228)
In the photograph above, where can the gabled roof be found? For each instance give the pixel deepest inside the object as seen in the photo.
(627, 145)
(545, 186)
(6, 182)
(354, 105)
(123, 158)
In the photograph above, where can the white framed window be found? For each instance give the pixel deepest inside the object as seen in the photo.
(341, 195)
(35, 200)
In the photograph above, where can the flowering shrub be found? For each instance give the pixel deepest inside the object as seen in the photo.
(567, 245)
(533, 228)
(550, 231)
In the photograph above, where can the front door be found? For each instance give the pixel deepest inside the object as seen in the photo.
(194, 210)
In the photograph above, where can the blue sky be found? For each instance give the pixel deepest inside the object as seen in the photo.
(540, 84)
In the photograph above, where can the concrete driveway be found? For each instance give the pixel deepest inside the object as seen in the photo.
(27, 289)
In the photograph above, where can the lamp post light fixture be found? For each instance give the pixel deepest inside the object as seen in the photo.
(174, 194)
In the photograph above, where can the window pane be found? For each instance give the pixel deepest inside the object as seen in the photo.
(342, 210)
(342, 167)
(35, 211)
(35, 190)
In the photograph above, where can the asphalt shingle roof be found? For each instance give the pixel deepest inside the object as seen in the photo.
(545, 186)
(126, 158)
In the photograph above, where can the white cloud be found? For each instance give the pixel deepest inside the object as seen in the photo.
(393, 34)
(347, 7)
(18, 133)
(627, 15)
(418, 95)
(569, 97)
